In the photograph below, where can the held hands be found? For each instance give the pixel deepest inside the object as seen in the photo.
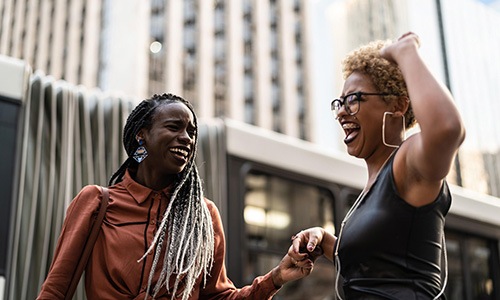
(290, 270)
(408, 42)
(307, 242)
(296, 265)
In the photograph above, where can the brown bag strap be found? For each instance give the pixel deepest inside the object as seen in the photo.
(89, 245)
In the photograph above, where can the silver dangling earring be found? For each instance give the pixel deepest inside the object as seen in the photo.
(383, 130)
(141, 153)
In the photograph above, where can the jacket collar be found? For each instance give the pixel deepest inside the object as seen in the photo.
(139, 192)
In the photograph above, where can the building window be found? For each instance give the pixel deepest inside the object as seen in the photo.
(248, 61)
(157, 51)
(190, 60)
(220, 70)
(275, 66)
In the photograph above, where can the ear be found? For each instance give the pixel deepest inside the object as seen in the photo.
(401, 106)
(140, 135)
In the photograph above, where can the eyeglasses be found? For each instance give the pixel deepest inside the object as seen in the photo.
(351, 102)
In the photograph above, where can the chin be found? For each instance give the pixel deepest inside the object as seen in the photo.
(353, 152)
(179, 171)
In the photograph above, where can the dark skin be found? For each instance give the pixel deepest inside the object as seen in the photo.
(170, 145)
(424, 159)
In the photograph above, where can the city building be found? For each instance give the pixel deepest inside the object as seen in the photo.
(271, 63)
(460, 46)
(242, 59)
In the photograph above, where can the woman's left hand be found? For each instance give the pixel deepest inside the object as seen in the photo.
(407, 42)
(290, 269)
(299, 261)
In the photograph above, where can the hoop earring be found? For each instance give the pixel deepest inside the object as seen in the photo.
(383, 130)
(141, 153)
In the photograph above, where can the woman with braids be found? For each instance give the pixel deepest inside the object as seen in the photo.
(160, 239)
(391, 241)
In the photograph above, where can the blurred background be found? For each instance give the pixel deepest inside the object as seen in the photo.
(271, 64)
(274, 64)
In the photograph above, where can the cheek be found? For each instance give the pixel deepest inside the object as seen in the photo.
(372, 127)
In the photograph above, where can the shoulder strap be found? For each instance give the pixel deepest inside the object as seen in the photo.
(89, 245)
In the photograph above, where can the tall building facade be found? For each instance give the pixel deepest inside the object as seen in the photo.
(94, 43)
(469, 69)
(242, 59)
(59, 37)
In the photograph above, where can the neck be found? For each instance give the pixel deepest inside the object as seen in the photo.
(375, 164)
(153, 180)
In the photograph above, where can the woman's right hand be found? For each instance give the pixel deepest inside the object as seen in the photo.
(312, 242)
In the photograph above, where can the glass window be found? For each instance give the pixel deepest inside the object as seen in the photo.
(454, 288)
(469, 267)
(275, 209)
(481, 280)
(248, 88)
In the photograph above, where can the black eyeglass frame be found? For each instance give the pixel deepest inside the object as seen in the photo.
(358, 94)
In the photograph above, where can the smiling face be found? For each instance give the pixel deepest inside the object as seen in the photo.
(363, 131)
(170, 140)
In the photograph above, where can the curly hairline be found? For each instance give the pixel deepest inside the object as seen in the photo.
(386, 76)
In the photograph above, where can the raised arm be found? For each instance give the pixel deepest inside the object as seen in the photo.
(428, 155)
(442, 131)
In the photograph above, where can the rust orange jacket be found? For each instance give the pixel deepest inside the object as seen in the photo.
(131, 220)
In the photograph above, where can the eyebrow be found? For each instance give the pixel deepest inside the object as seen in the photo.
(178, 121)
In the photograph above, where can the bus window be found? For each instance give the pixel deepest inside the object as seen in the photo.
(454, 288)
(469, 267)
(275, 209)
(479, 255)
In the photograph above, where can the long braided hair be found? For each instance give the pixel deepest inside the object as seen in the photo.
(190, 239)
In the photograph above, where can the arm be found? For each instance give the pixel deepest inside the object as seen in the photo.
(219, 286)
(428, 155)
(70, 243)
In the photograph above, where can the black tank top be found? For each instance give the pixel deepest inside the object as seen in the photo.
(390, 249)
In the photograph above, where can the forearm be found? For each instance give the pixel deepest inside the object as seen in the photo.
(262, 287)
(431, 151)
(432, 102)
(218, 285)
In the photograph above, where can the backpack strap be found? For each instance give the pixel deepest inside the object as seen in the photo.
(89, 244)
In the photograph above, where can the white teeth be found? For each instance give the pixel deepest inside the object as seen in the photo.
(180, 151)
(349, 126)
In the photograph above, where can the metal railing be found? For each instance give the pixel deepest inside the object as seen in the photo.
(71, 137)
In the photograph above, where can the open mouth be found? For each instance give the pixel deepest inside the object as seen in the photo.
(180, 153)
(351, 131)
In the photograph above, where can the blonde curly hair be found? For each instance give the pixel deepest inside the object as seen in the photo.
(386, 76)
